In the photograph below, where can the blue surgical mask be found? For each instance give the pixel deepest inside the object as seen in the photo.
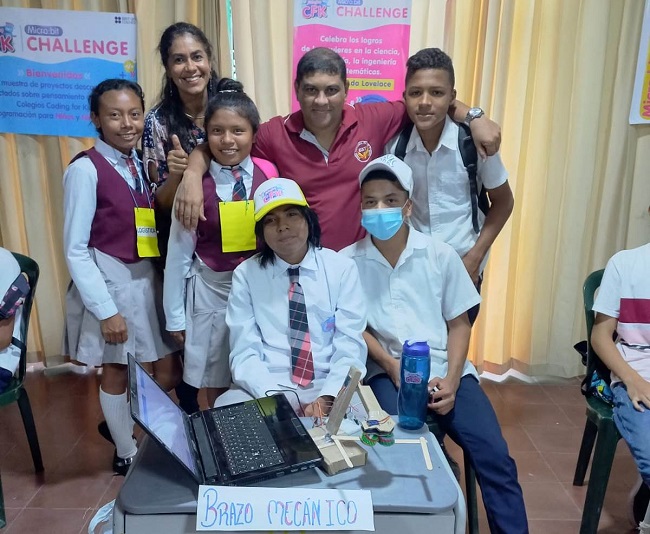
(382, 223)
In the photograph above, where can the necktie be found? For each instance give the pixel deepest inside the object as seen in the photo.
(239, 189)
(134, 172)
(302, 364)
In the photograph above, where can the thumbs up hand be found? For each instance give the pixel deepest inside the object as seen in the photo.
(177, 159)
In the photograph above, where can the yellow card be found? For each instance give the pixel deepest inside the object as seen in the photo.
(145, 230)
(237, 226)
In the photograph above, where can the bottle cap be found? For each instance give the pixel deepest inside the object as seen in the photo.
(415, 347)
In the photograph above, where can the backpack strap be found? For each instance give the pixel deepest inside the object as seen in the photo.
(404, 136)
(269, 170)
(470, 161)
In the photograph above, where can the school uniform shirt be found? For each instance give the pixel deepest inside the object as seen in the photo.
(625, 294)
(330, 178)
(413, 301)
(182, 244)
(258, 319)
(442, 204)
(79, 205)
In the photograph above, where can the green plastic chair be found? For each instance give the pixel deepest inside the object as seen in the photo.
(3, 518)
(470, 481)
(599, 428)
(16, 391)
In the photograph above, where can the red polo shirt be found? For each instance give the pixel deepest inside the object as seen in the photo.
(332, 187)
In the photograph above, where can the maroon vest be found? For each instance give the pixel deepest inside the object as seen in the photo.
(113, 227)
(208, 232)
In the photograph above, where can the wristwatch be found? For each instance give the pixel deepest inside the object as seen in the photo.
(473, 113)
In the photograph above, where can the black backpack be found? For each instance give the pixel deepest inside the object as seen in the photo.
(480, 200)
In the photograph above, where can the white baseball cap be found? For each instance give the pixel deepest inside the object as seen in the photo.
(277, 192)
(394, 166)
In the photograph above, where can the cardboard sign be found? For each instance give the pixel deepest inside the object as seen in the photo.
(282, 509)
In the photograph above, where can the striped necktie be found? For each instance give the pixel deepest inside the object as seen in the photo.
(302, 363)
(134, 172)
(239, 189)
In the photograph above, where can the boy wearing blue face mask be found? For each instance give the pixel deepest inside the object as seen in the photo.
(416, 287)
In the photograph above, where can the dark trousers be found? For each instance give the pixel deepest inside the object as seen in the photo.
(473, 425)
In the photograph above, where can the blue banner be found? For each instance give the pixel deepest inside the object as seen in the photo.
(51, 59)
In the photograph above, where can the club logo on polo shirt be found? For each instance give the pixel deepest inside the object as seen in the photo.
(363, 151)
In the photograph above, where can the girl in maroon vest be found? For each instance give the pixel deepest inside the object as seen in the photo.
(199, 266)
(109, 238)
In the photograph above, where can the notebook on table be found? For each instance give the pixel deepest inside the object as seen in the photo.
(232, 445)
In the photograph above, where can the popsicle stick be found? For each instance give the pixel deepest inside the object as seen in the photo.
(425, 453)
(343, 453)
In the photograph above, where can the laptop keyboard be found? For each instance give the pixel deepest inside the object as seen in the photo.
(246, 439)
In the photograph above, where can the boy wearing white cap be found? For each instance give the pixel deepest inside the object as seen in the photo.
(416, 287)
(296, 312)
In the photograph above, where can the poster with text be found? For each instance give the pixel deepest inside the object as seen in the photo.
(640, 108)
(372, 36)
(51, 59)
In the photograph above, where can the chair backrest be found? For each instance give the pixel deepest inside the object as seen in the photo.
(30, 268)
(594, 363)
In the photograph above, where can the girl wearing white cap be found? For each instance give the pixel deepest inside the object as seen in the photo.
(296, 313)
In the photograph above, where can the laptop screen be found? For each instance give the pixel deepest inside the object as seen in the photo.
(157, 413)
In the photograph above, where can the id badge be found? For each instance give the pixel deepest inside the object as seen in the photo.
(237, 226)
(145, 230)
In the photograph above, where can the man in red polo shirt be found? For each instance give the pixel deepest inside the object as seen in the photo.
(324, 147)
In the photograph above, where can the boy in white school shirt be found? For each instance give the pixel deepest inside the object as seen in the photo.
(442, 198)
(416, 287)
(270, 350)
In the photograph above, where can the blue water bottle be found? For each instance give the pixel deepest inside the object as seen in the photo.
(414, 380)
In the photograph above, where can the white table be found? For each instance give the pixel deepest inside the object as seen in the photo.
(158, 495)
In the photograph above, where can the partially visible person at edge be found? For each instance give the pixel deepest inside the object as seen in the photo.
(14, 289)
(174, 127)
(442, 197)
(324, 147)
(621, 338)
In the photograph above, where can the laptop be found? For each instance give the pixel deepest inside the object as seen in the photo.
(234, 445)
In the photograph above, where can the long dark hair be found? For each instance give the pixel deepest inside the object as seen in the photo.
(267, 256)
(170, 105)
(230, 95)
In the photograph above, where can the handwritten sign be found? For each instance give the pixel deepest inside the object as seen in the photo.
(275, 509)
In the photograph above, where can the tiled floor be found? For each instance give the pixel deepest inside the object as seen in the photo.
(542, 424)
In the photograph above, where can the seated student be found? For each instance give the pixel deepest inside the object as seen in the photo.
(622, 306)
(14, 287)
(417, 288)
(296, 311)
(442, 198)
